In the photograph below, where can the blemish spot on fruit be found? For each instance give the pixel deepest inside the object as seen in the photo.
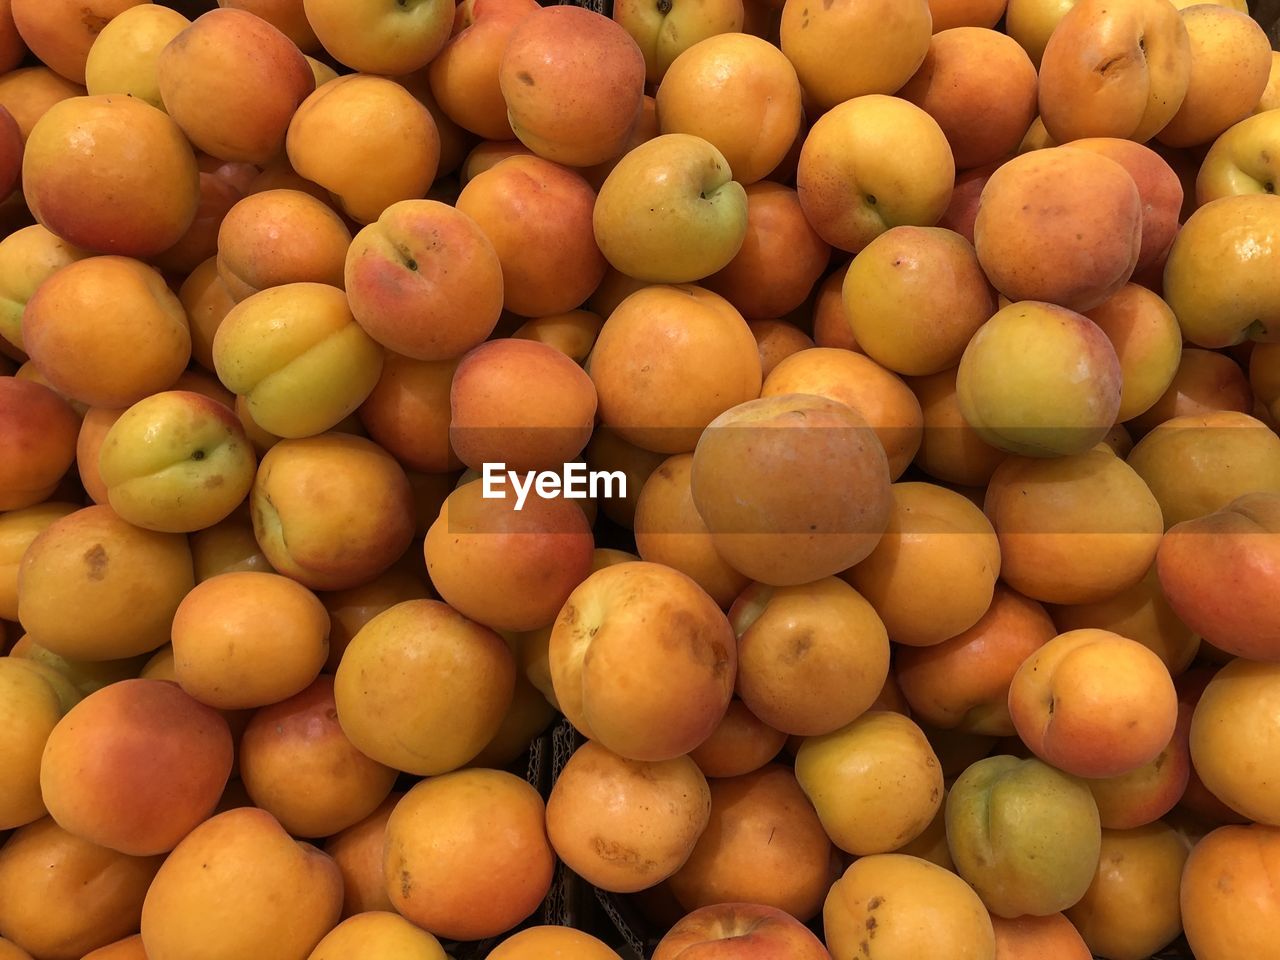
(96, 559)
(874, 903)
(198, 455)
(406, 883)
(872, 923)
(871, 199)
(93, 22)
(525, 77)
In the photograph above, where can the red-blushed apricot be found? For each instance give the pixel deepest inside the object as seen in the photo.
(980, 86)
(780, 260)
(408, 413)
(424, 280)
(1062, 226)
(1219, 573)
(232, 81)
(61, 33)
(875, 783)
(219, 893)
(879, 397)
(138, 344)
(817, 521)
(669, 531)
(1038, 938)
(134, 195)
(38, 431)
(299, 766)
(136, 766)
(741, 743)
(547, 942)
(626, 825)
(811, 658)
(1114, 71)
(963, 682)
(132, 579)
(65, 896)
(1148, 793)
(573, 81)
(740, 930)
(206, 300)
(368, 522)
(276, 237)
(1091, 721)
(1197, 464)
(377, 687)
(661, 624)
(668, 361)
(247, 639)
(510, 565)
(763, 844)
(1148, 343)
(934, 537)
(522, 404)
(287, 16)
(537, 216)
(440, 866)
(1203, 381)
(357, 851)
(1227, 895)
(890, 893)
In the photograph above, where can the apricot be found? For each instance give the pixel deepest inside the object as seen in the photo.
(368, 522)
(1024, 835)
(1094, 721)
(132, 579)
(522, 404)
(1059, 225)
(875, 783)
(424, 280)
(125, 54)
(136, 766)
(374, 935)
(357, 851)
(17, 529)
(777, 340)
(573, 81)
(811, 658)
(889, 893)
(741, 743)
(1131, 909)
(1231, 728)
(1229, 903)
(980, 86)
(27, 258)
(626, 825)
(508, 566)
(668, 361)
(38, 431)
(572, 332)
(350, 124)
(607, 451)
(950, 449)
(407, 413)
(62, 33)
(1075, 529)
(1148, 344)
(963, 682)
(231, 626)
(1038, 938)
(538, 217)
(31, 710)
(786, 532)
(378, 682)
(548, 942)
(884, 401)
(1204, 381)
(218, 893)
(138, 344)
(1197, 464)
(130, 948)
(669, 530)
(934, 537)
(763, 844)
(914, 297)
(1148, 793)
(65, 896)
(440, 867)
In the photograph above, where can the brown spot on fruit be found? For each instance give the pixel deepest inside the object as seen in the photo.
(96, 559)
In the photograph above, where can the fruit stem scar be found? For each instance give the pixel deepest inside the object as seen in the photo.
(664, 6)
(198, 455)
